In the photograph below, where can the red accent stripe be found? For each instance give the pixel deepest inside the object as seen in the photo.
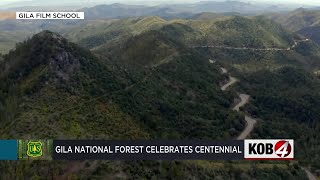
(270, 159)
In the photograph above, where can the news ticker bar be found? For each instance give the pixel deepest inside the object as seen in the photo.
(256, 149)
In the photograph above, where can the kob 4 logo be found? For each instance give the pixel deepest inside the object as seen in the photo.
(282, 149)
(271, 149)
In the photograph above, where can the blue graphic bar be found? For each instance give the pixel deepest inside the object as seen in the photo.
(8, 149)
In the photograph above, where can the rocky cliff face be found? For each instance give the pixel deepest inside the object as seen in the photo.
(47, 51)
(63, 65)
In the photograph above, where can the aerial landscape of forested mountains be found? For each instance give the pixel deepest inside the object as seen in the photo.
(303, 21)
(138, 72)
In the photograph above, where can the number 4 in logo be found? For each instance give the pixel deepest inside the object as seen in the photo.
(282, 148)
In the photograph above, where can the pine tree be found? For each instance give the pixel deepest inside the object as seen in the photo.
(34, 149)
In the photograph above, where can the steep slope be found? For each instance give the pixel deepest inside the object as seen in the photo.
(298, 19)
(173, 81)
(303, 21)
(46, 76)
(101, 32)
(287, 98)
(255, 33)
(49, 83)
(311, 33)
(181, 32)
(146, 49)
(51, 88)
(149, 86)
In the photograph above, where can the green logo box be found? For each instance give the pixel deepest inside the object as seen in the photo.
(35, 149)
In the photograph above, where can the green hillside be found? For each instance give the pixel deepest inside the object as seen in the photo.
(48, 76)
(163, 68)
(303, 21)
(298, 19)
(237, 31)
(143, 80)
(53, 89)
(97, 33)
(312, 32)
(206, 16)
(243, 32)
(148, 48)
(287, 99)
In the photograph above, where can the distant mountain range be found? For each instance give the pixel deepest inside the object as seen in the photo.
(164, 10)
(121, 11)
(180, 10)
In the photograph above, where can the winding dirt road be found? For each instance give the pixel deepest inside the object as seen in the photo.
(250, 122)
(232, 80)
(309, 174)
(244, 99)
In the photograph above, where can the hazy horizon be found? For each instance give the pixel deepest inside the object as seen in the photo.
(154, 2)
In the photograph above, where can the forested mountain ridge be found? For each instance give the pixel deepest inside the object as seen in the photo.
(160, 63)
(298, 19)
(96, 34)
(51, 88)
(147, 49)
(226, 30)
(142, 80)
(47, 75)
(206, 16)
(286, 98)
(312, 33)
(305, 54)
(303, 21)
